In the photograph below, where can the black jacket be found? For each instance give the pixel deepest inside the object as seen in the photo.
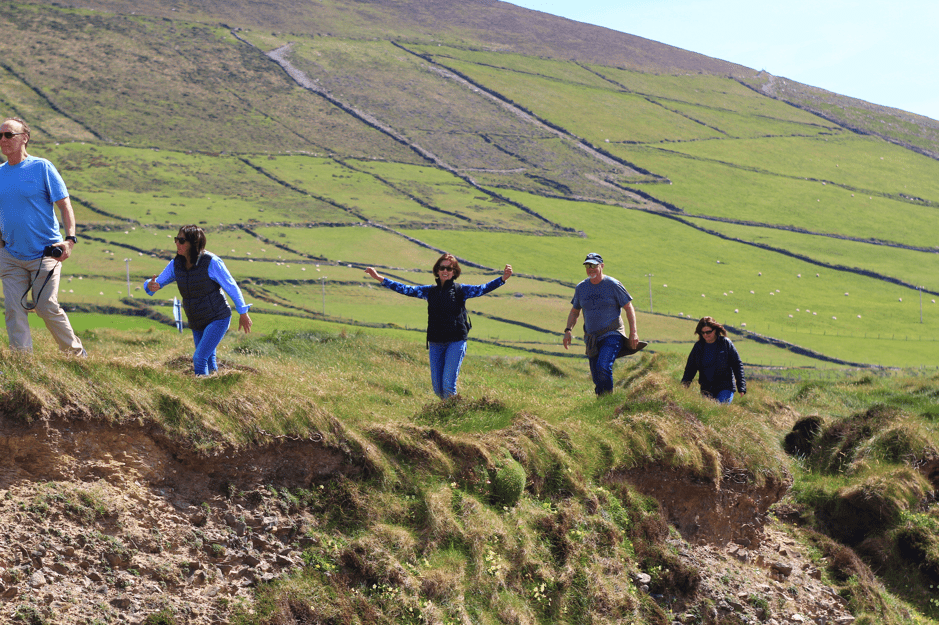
(728, 368)
(447, 320)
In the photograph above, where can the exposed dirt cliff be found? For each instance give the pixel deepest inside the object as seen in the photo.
(119, 523)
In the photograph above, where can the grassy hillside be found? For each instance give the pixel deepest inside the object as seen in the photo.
(390, 149)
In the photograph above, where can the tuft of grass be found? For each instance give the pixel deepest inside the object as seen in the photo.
(508, 482)
(166, 616)
(29, 615)
(457, 414)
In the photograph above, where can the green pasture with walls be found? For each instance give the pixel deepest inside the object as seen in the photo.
(297, 229)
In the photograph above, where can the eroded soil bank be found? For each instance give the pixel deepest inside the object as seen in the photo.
(733, 509)
(117, 523)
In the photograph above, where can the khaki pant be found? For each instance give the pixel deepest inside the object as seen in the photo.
(16, 275)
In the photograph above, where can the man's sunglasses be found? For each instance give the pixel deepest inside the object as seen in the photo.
(10, 135)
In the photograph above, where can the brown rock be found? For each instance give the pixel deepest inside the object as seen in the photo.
(781, 568)
(122, 602)
(117, 559)
(60, 568)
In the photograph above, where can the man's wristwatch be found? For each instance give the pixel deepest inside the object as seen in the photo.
(566, 330)
(72, 238)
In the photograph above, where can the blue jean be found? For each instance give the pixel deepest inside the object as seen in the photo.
(445, 361)
(207, 340)
(725, 397)
(601, 365)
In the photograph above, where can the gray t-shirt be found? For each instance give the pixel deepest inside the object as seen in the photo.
(600, 303)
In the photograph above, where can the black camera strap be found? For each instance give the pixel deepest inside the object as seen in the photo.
(23, 301)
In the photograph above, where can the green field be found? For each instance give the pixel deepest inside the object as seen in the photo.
(298, 265)
(495, 156)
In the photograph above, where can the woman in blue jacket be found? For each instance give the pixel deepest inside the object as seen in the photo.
(447, 322)
(716, 361)
(201, 276)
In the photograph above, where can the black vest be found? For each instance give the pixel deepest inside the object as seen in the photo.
(203, 299)
(447, 320)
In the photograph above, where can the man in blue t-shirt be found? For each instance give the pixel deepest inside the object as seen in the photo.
(30, 189)
(601, 298)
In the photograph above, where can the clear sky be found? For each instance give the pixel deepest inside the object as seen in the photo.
(882, 51)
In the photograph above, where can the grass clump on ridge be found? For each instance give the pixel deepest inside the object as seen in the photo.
(865, 478)
(150, 381)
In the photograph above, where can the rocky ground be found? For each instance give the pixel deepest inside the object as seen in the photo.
(774, 583)
(76, 552)
(112, 525)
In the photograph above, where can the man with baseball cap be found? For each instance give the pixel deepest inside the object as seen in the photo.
(601, 297)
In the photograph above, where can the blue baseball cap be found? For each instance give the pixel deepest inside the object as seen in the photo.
(593, 259)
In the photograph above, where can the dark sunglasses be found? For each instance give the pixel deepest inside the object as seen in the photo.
(180, 240)
(444, 268)
(10, 135)
(708, 331)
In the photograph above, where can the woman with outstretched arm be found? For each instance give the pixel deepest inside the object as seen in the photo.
(447, 322)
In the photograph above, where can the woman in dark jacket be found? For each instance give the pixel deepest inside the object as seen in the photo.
(715, 358)
(447, 323)
(201, 276)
